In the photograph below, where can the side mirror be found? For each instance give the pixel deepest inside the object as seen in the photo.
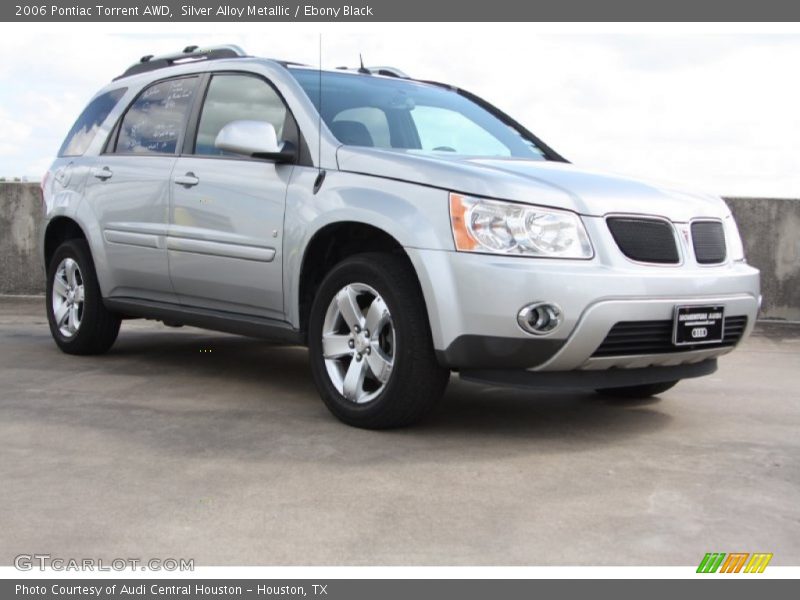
(254, 138)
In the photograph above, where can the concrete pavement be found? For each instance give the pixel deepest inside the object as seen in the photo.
(192, 444)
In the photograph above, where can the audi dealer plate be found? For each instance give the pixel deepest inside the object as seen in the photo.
(698, 325)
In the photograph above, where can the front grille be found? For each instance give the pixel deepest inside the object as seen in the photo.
(708, 238)
(645, 240)
(628, 338)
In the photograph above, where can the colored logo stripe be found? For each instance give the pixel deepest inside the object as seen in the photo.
(711, 562)
(758, 562)
(734, 563)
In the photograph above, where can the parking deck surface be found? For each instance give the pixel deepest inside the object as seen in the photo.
(191, 444)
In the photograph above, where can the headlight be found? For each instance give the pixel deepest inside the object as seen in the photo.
(734, 240)
(481, 225)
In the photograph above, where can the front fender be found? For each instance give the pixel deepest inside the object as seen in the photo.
(416, 216)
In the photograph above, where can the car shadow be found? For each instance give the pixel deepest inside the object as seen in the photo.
(466, 407)
(565, 415)
(191, 392)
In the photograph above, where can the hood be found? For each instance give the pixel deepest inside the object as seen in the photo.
(545, 183)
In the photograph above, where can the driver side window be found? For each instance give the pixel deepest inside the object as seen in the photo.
(233, 97)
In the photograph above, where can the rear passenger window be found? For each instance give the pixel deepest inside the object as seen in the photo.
(237, 98)
(154, 123)
(90, 120)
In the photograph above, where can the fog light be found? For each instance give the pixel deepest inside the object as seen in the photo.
(539, 318)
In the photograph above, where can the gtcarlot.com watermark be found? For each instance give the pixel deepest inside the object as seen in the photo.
(43, 562)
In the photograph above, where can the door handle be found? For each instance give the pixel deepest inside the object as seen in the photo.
(188, 180)
(103, 174)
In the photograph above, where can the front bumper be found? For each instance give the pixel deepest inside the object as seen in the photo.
(473, 301)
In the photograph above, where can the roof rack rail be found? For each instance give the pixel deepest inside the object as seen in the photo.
(388, 72)
(288, 63)
(385, 71)
(189, 54)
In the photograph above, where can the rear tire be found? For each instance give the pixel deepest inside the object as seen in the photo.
(79, 321)
(379, 379)
(636, 392)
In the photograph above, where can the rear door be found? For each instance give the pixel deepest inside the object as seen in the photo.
(227, 211)
(129, 188)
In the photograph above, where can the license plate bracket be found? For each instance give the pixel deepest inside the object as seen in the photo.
(693, 325)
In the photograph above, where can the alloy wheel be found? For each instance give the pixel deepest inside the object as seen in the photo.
(358, 343)
(68, 297)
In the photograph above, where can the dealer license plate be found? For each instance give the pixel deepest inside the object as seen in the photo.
(698, 325)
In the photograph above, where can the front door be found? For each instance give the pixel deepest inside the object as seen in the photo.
(226, 223)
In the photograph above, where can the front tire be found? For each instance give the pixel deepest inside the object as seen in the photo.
(370, 346)
(79, 321)
(638, 392)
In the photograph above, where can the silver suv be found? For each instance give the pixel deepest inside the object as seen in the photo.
(400, 229)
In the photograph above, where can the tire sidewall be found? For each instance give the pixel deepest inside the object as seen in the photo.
(73, 249)
(355, 271)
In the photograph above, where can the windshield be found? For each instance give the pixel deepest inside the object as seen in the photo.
(364, 110)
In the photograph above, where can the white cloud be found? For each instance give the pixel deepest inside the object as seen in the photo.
(14, 133)
(712, 111)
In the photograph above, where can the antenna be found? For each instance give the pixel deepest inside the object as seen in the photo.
(319, 110)
(362, 68)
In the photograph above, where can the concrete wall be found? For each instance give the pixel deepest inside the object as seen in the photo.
(771, 233)
(21, 271)
(770, 228)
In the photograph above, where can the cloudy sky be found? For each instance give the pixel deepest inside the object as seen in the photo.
(712, 111)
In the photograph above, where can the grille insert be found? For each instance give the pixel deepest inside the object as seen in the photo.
(655, 337)
(645, 240)
(708, 239)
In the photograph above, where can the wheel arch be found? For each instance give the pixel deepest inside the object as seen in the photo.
(59, 230)
(331, 244)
